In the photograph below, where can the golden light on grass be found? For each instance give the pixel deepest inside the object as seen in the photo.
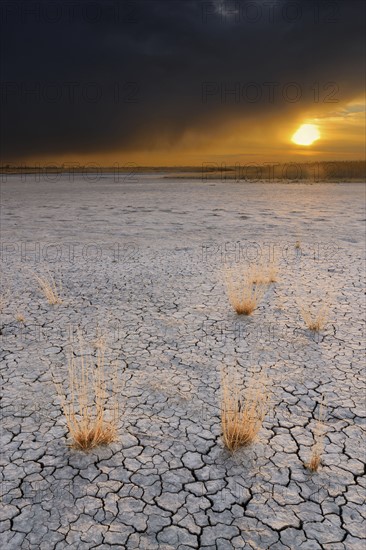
(244, 290)
(306, 135)
(318, 446)
(49, 288)
(315, 320)
(242, 412)
(85, 403)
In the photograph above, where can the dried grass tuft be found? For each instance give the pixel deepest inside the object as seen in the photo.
(49, 288)
(19, 317)
(244, 294)
(263, 273)
(315, 321)
(242, 413)
(318, 446)
(84, 406)
(272, 272)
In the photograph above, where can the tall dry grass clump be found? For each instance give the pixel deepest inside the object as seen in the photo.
(242, 412)
(244, 294)
(85, 403)
(315, 320)
(318, 446)
(49, 288)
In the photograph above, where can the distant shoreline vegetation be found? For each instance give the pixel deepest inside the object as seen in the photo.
(325, 171)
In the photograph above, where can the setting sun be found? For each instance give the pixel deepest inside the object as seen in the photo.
(306, 135)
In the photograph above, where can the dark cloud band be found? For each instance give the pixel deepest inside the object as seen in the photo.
(86, 77)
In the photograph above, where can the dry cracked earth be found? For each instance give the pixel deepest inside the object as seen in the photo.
(141, 261)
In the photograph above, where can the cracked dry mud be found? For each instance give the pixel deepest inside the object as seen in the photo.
(157, 294)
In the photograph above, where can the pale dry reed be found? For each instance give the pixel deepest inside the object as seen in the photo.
(49, 288)
(84, 405)
(242, 412)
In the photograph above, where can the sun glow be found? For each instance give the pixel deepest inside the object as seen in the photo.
(306, 135)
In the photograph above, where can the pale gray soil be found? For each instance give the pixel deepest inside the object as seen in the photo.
(142, 259)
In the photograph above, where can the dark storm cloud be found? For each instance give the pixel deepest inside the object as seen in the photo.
(84, 77)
